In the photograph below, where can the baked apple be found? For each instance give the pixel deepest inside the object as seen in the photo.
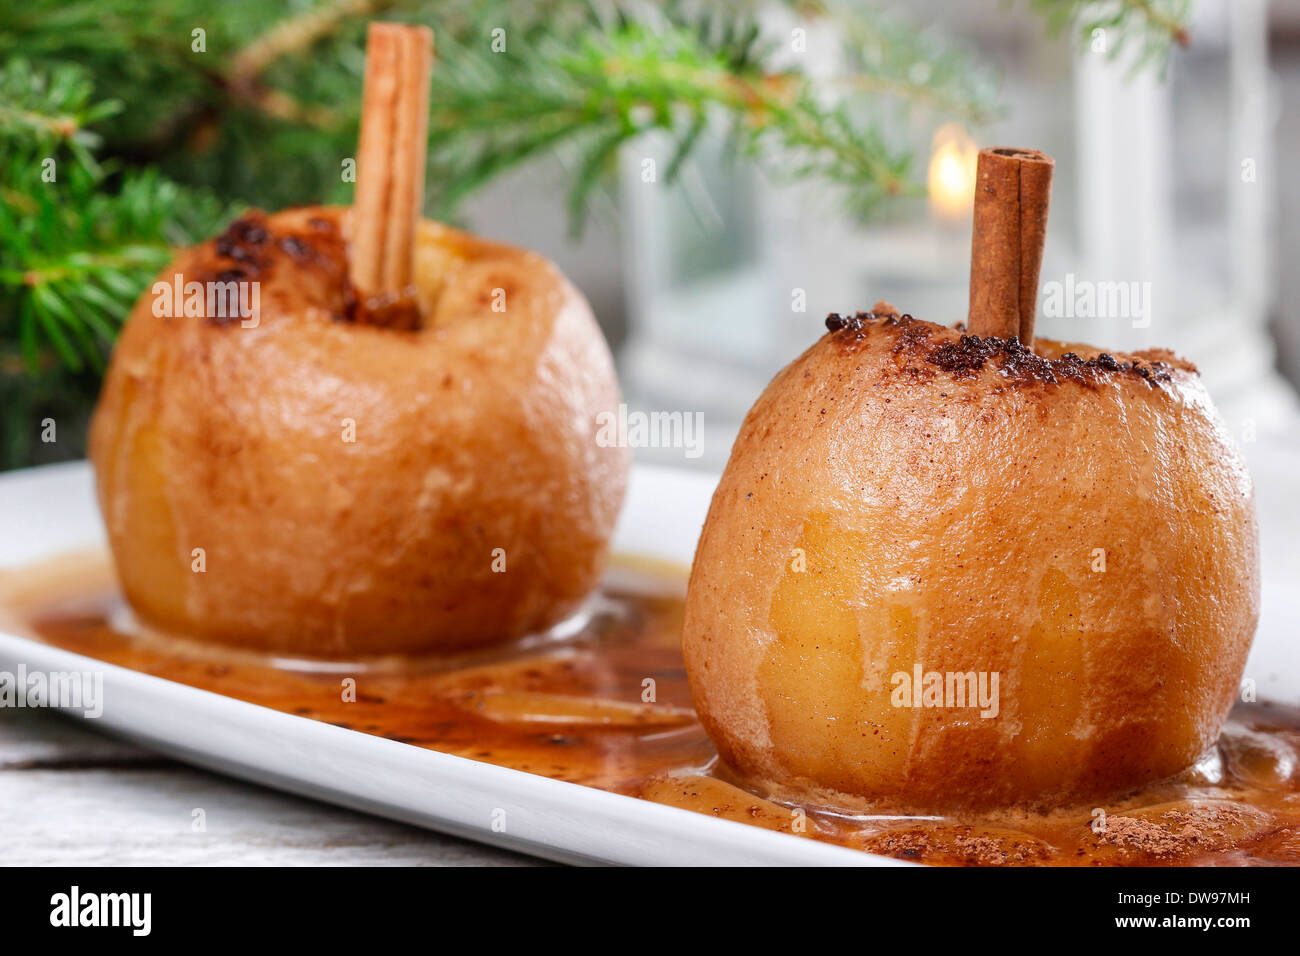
(301, 481)
(943, 571)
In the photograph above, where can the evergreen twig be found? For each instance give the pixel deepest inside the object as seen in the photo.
(79, 237)
(1154, 25)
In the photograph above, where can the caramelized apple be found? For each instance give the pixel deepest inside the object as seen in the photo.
(949, 572)
(298, 481)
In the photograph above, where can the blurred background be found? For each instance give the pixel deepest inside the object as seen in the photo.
(1149, 187)
(798, 158)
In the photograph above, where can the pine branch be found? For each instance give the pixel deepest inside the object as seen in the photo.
(274, 85)
(495, 110)
(51, 108)
(1155, 25)
(912, 68)
(79, 240)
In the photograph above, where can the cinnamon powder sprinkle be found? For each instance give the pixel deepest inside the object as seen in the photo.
(958, 844)
(967, 355)
(1198, 828)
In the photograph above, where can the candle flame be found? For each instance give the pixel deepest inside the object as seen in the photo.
(952, 173)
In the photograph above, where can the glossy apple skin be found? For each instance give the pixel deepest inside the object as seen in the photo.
(1089, 537)
(357, 490)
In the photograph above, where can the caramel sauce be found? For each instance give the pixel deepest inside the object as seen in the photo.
(604, 702)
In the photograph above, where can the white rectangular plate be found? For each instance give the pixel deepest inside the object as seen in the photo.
(47, 511)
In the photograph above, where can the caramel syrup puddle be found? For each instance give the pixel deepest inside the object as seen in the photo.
(606, 704)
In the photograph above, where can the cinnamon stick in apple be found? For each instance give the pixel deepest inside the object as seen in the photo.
(1013, 189)
(390, 172)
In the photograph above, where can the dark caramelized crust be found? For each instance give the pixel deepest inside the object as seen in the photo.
(919, 344)
(306, 254)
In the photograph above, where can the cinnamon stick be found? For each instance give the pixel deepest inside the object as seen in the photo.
(1013, 189)
(390, 171)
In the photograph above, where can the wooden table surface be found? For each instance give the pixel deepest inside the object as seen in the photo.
(70, 796)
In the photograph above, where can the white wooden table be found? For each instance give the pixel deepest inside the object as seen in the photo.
(70, 796)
